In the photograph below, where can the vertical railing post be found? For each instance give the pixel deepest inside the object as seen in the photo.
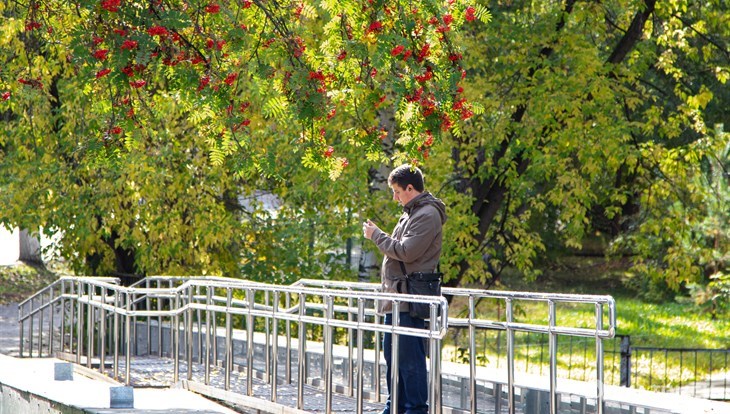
(175, 337)
(90, 314)
(133, 329)
(214, 329)
(625, 370)
(553, 351)
(189, 332)
(394, 360)
(360, 355)
(510, 358)
(159, 321)
(102, 330)
(79, 322)
(229, 339)
(435, 400)
(31, 316)
(287, 303)
(267, 336)
(128, 337)
(208, 298)
(148, 306)
(350, 346)
(51, 302)
(170, 301)
(328, 351)
(249, 341)
(376, 364)
(302, 348)
(274, 346)
(41, 311)
(199, 321)
(599, 360)
(62, 315)
(472, 357)
(21, 329)
(73, 307)
(117, 299)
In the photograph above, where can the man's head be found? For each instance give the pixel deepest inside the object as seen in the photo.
(406, 182)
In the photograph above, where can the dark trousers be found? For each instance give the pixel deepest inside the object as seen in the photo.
(412, 378)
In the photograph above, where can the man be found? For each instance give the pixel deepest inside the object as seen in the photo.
(415, 241)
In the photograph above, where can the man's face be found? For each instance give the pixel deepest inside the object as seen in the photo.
(403, 195)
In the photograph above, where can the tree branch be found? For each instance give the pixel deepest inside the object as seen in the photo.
(705, 37)
(633, 34)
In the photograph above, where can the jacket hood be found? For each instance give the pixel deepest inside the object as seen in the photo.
(425, 199)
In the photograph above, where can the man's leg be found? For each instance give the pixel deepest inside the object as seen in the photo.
(387, 352)
(412, 368)
(413, 377)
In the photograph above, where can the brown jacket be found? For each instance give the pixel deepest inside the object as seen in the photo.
(416, 241)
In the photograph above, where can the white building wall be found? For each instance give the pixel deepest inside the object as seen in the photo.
(9, 246)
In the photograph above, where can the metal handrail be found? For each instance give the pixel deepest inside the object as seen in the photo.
(473, 322)
(191, 307)
(552, 329)
(97, 302)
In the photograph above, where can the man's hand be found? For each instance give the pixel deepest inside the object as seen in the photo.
(368, 227)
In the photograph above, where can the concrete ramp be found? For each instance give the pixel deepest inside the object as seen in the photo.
(28, 386)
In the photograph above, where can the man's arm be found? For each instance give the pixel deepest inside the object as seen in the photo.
(419, 235)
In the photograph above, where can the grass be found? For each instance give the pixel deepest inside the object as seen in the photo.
(669, 324)
(21, 280)
(666, 325)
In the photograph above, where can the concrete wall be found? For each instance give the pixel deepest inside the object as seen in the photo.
(14, 401)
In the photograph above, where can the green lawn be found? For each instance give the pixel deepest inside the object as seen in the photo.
(665, 325)
(19, 281)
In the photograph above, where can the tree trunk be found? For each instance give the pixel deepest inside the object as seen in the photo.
(30, 248)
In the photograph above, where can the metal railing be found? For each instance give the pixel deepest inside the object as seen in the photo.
(696, 372)
(604, 327)
(96, 318)
(104, 313)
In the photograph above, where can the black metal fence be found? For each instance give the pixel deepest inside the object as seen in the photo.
(697, 372)
(702, 373)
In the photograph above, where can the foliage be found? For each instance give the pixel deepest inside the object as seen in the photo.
(683, 236)
(230, 65)
(595, 122)
(714, 297)
(132, 128)
(308, 234)
(138, 130)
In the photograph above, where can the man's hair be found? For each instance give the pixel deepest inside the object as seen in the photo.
(407, 174)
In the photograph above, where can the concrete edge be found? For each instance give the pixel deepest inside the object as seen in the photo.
(14, 398)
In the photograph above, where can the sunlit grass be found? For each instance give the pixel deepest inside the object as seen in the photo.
(671, 325)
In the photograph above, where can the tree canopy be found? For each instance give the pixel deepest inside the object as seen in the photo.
(599, 118)
(143, 131)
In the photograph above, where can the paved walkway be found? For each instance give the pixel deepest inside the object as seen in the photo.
(9, 333)
(36, 377)
(151, 378)
(31, 381)
(158, 372)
